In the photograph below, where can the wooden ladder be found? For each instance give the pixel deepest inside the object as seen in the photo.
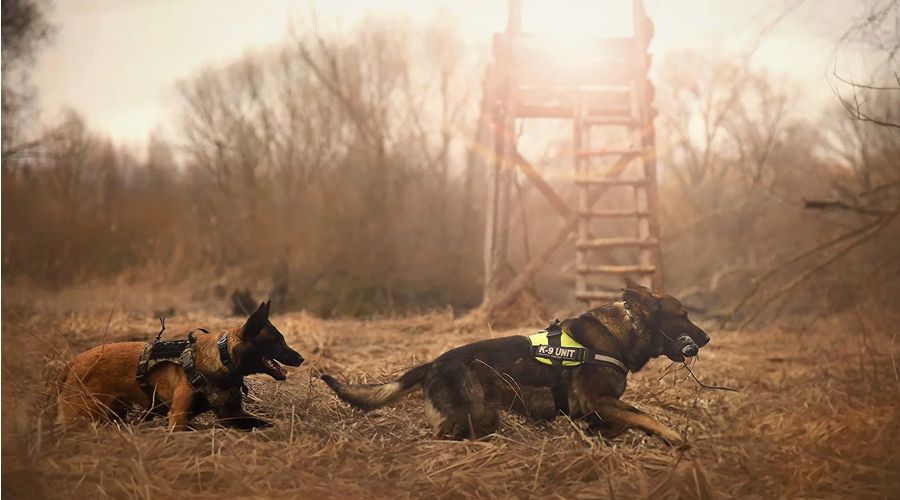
(602, 263)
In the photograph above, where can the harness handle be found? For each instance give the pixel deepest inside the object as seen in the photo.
(191, 334)
(162, 328)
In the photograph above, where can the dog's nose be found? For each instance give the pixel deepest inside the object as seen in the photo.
(291, 358)
(703, 340)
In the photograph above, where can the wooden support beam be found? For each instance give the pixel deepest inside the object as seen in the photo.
(528, 272)
(498, 201)
(609, 152)
(535, 177)
(603, 181)
(613, 213)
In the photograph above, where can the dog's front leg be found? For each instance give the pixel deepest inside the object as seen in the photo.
(614, 413)
(232, 413)
(180, 409)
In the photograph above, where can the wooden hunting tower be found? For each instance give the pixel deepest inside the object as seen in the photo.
(605, 93)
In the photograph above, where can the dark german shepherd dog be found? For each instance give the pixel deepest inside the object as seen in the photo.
(465, 388)
(191, 376)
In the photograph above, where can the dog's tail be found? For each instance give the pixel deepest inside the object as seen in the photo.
(372, 396)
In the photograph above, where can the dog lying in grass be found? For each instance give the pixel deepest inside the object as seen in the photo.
(181, 379)
(585, 367)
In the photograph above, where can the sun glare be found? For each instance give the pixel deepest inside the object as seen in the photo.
(578, 18)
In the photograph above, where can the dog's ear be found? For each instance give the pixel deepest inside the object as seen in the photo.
(640, 296)
(632, 285)
(257, 320)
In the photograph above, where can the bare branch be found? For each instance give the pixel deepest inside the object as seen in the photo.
(855, 110)
(880, 225)
(879, 188)
(865, 86)
(757, 284)
(840, 205)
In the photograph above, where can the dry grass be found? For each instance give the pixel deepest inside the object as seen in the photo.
(816, 416)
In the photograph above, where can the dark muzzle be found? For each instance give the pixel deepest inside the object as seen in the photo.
(290, 358)
(287, 356)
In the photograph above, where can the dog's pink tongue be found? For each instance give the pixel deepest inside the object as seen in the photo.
(276, 367)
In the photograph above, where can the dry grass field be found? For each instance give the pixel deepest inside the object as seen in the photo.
(817, 415)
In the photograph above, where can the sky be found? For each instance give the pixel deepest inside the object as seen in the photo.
(116, 61)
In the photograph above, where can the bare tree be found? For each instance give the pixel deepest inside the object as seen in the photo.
(25, 29)
(353, 138)
(879, 33)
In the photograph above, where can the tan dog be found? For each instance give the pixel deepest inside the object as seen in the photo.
(102, 382)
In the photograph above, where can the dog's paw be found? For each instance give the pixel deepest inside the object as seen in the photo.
(258, 423)
(246, 423)
(674, 439)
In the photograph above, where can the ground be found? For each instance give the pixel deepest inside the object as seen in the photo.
(816, 416)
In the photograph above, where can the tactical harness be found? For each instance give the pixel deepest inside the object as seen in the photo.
(182, 352)
(553, 346)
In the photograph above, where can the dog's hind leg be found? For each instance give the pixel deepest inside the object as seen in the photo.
(75, 403)
(457, 406)
(118, 410)
(533, 403)
(605, 428)
(615, 413)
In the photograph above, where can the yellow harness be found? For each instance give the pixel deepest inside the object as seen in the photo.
(569, 352)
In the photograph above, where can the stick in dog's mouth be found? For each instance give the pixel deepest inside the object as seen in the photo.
(689, 348)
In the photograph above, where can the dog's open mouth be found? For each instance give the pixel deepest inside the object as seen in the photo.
(274, 369)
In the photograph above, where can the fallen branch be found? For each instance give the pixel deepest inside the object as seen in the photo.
(840, 205)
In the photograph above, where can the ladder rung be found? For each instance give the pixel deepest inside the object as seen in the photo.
(630, 269)
(609, 152)
(610, 120)
(596, 295)
(615, 242)
(611, 181)
(614, 213)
